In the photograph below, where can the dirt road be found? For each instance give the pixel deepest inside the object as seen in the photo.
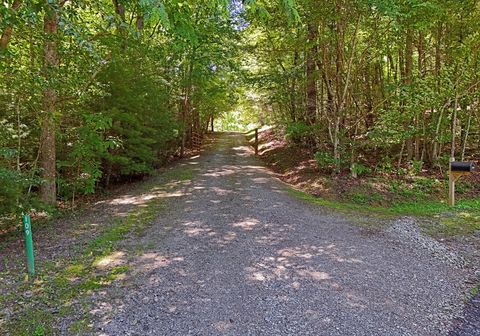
(236, 254)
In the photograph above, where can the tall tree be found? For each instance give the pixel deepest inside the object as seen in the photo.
(48, 188)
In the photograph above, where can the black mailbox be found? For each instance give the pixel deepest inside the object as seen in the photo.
(458, 166)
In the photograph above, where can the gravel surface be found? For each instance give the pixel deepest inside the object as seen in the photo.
(469, 324)
(235, 254)
(411, 233)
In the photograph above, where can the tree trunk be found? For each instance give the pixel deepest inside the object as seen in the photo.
(140, 22)
(7, 33)
(408, 80)
(310, 117)
(48, 191)
(454, 128)
(438, 56)
(408, 57)
(465, 137)
(293, 90)
(119, 9)
(421, 54)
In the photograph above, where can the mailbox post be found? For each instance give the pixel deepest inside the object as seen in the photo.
(457, 169)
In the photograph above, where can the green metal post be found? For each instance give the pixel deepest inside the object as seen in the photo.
(27, 229)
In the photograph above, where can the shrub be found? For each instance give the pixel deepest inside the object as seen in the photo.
(359, 169)
(324, 159)
(415, 167)
(385, 165)
(298, 132)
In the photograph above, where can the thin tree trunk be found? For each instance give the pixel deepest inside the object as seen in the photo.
(465, 138)
(400, 156)
(438, 56)
(419, 155)
(454, 128)
(187, 118)
(353, 158)
(336, 144)
(311, 112)
(7, 32)
(47, 139)
(293, 89)
(421, 54)
(435, 151)
(140, 22)
(19, 133)
(344, 90)
(119, 9)
(408, 79)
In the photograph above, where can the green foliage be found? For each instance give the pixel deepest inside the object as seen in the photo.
(325, 160)
(14, 184)
(374, 77)
(416, 167)
(360, 169)
(141, 125)
(125, 91)
(385, 165)
(297, 132)
(86, 148)
(39, 331)
(11, 182)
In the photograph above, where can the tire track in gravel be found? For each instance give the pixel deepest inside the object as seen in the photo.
(243, 257)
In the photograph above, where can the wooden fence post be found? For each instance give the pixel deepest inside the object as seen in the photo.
(256, 141)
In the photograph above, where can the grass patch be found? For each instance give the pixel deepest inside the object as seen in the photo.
(59, 290)
(79, 327)
(474, 291)
(62, 285)
(183, 174)
(462, 219)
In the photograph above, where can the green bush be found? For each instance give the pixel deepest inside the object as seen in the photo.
(298, 132)
(141, 129)
(324, 159)
(360, 169)
(10, 191)
(385, 165)
(415, 167)
(80, 169)
(13, 187)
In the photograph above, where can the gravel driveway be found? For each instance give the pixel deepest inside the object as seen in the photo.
(236, 254)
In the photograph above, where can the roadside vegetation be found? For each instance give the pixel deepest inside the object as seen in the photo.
(382, 191)
(370, 100)
(99, 257)
(100, 93)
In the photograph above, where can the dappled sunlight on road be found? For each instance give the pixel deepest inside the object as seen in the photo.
(149, 261)
(293, 264)
(247, 224)
(236, 252)
(192, 232)
(114, 259)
